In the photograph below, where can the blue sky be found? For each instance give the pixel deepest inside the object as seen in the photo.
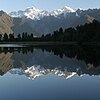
(15, 5)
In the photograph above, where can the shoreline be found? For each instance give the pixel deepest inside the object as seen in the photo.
(51, 43)
(41, 43)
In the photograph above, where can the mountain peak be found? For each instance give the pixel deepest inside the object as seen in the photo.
(68, 9)
(35, 13)
(32, 9)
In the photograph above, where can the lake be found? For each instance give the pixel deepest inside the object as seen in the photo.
(49, 72)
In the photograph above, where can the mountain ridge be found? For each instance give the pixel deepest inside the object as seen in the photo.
(35, 13)
(44, 22)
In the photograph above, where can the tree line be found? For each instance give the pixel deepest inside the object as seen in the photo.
(89, 32)
(20, 37)
(84, 53)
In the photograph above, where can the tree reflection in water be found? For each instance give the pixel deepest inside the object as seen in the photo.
(88, 54)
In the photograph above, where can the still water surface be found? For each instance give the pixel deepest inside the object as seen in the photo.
(49, 72)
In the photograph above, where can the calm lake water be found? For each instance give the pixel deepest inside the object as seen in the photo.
(49, 72)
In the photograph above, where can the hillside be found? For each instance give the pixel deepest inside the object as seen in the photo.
(6, 23)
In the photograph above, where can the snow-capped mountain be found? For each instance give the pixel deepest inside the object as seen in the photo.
(33, 20)
(61, 11)
(37, 71)
(30, 12)
(34, 13)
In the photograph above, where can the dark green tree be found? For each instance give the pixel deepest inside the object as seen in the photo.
(61, 30)
(19, 37)
(23, 35)
(0, 37)
(11, 37)
(26, 36)
(5, 37)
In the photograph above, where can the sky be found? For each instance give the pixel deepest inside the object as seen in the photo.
(15, 5)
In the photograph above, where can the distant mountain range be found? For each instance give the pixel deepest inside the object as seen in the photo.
(37, 71)
(33, 20)
(36, 14)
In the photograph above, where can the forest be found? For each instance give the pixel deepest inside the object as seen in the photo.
(89, 32)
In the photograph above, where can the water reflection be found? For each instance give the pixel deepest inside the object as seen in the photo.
(35, 61)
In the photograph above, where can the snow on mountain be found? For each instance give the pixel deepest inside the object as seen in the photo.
(63, 10)
(30, 12)
(36, 71)
(67, 9)
(34, 13)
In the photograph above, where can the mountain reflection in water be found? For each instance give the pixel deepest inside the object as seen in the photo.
(35, 61)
